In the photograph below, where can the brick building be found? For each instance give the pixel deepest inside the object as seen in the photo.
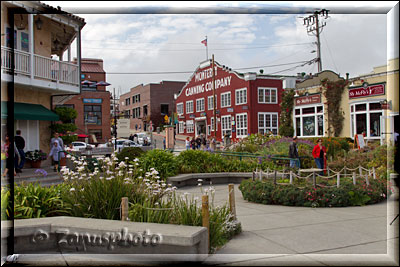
(151, 102)
(245, 102)
(92, 104)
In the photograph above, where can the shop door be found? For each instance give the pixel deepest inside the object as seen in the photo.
(201, 127)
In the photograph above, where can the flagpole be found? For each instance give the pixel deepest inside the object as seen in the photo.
(207, 47)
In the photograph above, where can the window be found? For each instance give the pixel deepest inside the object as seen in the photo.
(136, 98)
(189, 106)
(268, 122)
(92, 114)
(127, 102)
(190, 126)
(211, 102)
(179, 108)
(241, 96)
(127, 114)
(212, 124)
(145, 110)
(366, 119)
(164, 109)
(226, 100)
(226, 125)
(309, 121)
(181, 127)
(241, 125)
(267, 95)
(136, 112)
(200, 104)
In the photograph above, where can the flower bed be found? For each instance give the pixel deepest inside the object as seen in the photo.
(265, 192)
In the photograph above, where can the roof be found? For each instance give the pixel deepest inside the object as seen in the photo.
(59, 11)
(91, 67)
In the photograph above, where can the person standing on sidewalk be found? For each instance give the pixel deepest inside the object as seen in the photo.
(60, 142)
(294, 154)
(56, 155)
(187, 143)
(319, 154)
(20, 144)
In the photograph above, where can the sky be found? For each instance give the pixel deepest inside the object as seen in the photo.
(139, 46)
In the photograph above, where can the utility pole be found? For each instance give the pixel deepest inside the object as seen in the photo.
(313, 27)
(215, 102)
(115, 124)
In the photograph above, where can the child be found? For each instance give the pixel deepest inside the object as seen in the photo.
(55, 153)
(187, 143)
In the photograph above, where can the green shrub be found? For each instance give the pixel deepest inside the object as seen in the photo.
(130, 153)
(347, 194)
(161, 160)
(35, 201)
(5, 203)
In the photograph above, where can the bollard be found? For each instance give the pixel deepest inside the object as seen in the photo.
(354, 178)
(338, 180)
(205, 213)
(291, 177)
(124, 209)
(232, 205)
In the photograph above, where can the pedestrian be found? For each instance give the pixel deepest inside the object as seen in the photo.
(208, 144)
(203, 142)
(294, 154)
(193, 143)
(319, 154)
(20, 144)
(5, 151)
(131, 137)
(135, 138)
(60, 143)
(187, 143)
(164, 145)
(56, 155)
(198, 142)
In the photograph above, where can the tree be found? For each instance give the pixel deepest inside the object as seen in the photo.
(66, 127)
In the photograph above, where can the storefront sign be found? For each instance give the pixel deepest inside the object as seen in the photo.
(207, 85)
(93, 100)
(229, 109)
(200, 118)
(307, 100)
(372, 90)
(245, 107)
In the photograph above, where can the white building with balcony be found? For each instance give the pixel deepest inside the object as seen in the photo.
(37, 42)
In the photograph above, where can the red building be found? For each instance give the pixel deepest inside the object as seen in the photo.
(92, 104)
(246, 102)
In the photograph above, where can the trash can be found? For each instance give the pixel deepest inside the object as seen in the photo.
(158, 130)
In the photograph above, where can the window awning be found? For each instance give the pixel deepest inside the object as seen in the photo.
(24, 111)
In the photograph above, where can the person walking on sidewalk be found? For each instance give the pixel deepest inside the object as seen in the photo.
(20, 144)
(294, 154)
(319, 154)
(55, 153)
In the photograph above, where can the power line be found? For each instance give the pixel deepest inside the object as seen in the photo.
(189, 72)
(181, 50)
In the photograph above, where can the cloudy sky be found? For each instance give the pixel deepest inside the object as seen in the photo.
(139, 46)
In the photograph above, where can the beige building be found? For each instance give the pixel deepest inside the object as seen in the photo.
(369, 104)
(36, 50)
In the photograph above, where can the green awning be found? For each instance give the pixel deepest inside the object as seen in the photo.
(24, 111)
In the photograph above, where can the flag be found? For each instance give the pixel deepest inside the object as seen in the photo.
(204, 42)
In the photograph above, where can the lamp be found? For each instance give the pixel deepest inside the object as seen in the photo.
(39, 24)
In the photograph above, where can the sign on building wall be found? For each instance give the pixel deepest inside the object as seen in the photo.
(308, 100)
(93, 100)
(371, 90)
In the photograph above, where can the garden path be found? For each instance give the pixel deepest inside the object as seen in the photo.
(273, 234)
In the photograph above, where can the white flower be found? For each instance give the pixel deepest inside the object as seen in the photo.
(199, 180)
(136, 160)
(72, 189)
(110, 178)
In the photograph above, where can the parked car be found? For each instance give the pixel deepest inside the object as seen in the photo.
(130, 143)
(144, 139)
(77, 145)
(121, 143)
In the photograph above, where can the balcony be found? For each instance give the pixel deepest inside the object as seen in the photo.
(43, 72)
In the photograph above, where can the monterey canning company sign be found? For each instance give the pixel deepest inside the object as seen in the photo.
(207, 86)
(367, 90)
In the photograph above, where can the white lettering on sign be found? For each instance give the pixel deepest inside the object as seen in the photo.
(204, 74)
(222, 82)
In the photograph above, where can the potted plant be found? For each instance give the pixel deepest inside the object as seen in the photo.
(35, 157)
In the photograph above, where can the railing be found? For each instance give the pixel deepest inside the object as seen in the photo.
(21, 61)
(44, 67)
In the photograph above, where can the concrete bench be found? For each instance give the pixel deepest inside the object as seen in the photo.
(97, 236)
(191, 179)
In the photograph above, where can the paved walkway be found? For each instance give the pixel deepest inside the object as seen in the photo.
(280, 236)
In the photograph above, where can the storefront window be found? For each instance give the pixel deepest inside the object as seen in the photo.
(309, 121)
(92, 114)
(366, 119)
(226, 125)
(241, 128)
(268, 122)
